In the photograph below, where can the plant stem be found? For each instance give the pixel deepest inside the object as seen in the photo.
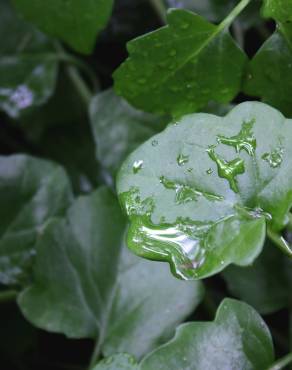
(96, 353)
(280, 242)
(234, 14)
(282, 363)
(8, 296)
(75, 77)
(160, 9)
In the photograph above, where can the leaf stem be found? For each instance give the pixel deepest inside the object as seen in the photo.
(96, 353)
(75, 78)
(234, 14)
(160, 9)
(282, 363)
(280, 242)
(8, 296)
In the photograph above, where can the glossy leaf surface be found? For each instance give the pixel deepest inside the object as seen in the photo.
(44, 193)
(127, 302)
(237, 339)
(205, 203)
(179, 68)
(76, 22)
(28, 68)
(265, 285)
(118, 128)
(281, 10)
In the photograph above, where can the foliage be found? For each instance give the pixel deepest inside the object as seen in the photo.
(127, 180)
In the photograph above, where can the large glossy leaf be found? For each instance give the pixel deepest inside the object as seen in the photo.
(118, 128)
(28, 68)
(85, 285)
(31, 192)
(179, 68)
(77, 22)
(237, 339)
(265, 285)
(199, 194)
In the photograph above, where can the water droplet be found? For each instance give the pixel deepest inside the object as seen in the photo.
(244, 140)
(209, 171)
(190, 169)
(137, 166)
(228, 170)
(154, 143)
(274, 158)
(182, 159)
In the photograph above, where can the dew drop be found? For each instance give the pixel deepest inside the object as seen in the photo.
(274, 158)
(154, 143)
(137, 166)
(182, 159)
(209, 171)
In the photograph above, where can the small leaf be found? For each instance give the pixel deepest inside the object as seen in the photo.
(121, 361)
(281, 10)
(181, 67)
(76, 22)
(118, 128)
(110, 293)
(211, 209)
(28, 66)
(264, 285)
(237, 339)
(31, 192)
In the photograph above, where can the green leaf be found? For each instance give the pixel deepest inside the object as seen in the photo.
(237, 339)
(125, 302)
(77, 22)
(28, 68)
(181, 67)
(31, 192)
(281, 10)
(264, 285)
(121, 361)
(199, 194)
(118, 128)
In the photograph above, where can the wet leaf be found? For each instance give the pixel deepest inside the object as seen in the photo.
(119, 128)
(201, 196)
(103, 291)
(76, 22)
(166, 74)
(237, 339)
(32, 191)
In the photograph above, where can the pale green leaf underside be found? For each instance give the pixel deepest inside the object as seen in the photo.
(86, 285)
(180, 67)
(76, 22)
(32, 191)
(238, 339)
(199, 194)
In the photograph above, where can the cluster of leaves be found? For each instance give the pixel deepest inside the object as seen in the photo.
(87, 168)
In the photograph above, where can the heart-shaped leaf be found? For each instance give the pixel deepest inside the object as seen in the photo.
(76, 22)
(199, 194)
(117, 297)
(31, 192)
(265, 285)
(28, 67)
(119, 128)
(237, 339)
(166, 74)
